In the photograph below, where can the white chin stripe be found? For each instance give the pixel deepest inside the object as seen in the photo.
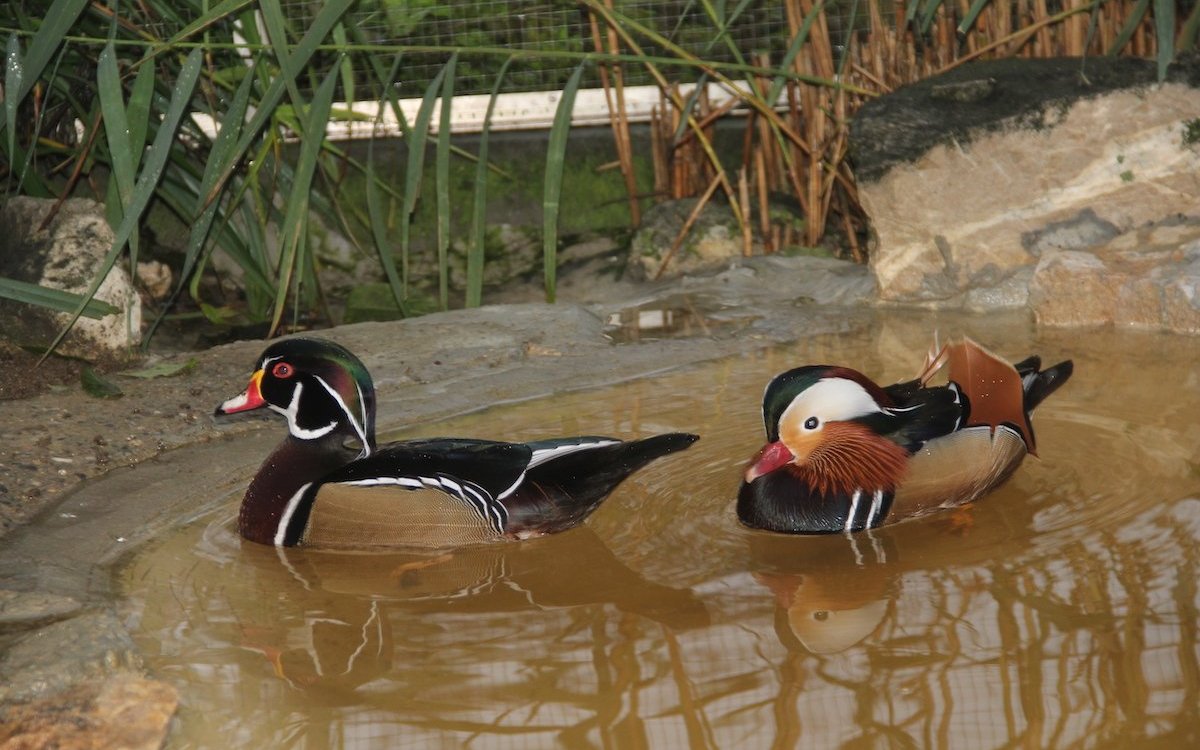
(293, 427)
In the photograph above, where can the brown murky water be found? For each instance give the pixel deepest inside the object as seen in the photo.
(1059, 612)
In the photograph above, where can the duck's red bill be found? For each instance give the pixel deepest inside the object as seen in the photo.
(771, 457)
(251, 398)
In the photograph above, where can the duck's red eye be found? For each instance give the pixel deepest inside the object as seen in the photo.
(282, 370)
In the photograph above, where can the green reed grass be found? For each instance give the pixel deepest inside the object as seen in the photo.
(252, 192)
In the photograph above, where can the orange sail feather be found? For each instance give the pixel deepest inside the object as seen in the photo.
(992, 386)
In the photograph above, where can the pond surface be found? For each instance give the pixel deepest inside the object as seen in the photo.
(1061, 611)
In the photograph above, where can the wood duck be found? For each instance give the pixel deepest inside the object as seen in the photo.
(844, 454)
(328, 484)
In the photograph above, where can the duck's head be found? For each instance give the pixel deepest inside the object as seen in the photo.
(815, 416)
(320, 387)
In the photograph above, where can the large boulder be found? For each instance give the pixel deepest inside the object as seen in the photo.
(973, 178)
(66, 255)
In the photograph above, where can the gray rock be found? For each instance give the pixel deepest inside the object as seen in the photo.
(66, 255)
(712, 241)
(1080, 231)
(1147, 279)
(1009, 294)
(18, 607)
(53, 658)
(805, 279)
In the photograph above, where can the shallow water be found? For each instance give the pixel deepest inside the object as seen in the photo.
(1059, 611)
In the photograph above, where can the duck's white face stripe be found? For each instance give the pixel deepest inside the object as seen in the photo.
(288, 511)
(293, 427)
(355, 423)
(829, 400)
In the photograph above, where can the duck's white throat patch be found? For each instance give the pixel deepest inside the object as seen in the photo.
(293, 427)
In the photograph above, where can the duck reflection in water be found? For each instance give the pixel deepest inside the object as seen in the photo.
(343, 636)
(831, 592)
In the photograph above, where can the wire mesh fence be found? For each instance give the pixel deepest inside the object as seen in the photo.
(545, 27)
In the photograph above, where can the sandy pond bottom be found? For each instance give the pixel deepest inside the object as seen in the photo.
(1060, 611)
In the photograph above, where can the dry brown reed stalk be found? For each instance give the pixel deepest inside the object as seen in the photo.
(614, 94)
(744, 201)
(658, 155)
(801, 151)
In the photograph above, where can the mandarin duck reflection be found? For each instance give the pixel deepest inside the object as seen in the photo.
(831, 592)
(315, 490)
(844, 454)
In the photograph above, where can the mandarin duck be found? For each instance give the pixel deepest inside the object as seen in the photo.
(329, 484)
(844, 454)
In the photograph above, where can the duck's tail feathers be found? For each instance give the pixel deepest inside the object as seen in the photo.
(1039, 384)
(576, 482)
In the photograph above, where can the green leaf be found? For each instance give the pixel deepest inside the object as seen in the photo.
(347, 66)
(556, 151)
(116, 130)
(137, 112)
(927, 15)
(54, 299)
(442, 183)
(272, 15)
(1164, 31)
(162, 370)
(375, 213)
(844, 55)
(780, 80)
(224, 154)
(295, 214)
(267, 105)
(1131, 23)
(13, 74)
(223, 10)
(220, 316)
(475, 251)
(973, 12)
(58, 19)
(910, 12)
(415, 166)
(96, 385)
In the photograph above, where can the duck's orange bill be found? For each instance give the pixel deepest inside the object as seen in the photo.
(771, 457)
(251, 398)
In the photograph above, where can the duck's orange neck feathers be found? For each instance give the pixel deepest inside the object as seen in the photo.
(852, 457)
